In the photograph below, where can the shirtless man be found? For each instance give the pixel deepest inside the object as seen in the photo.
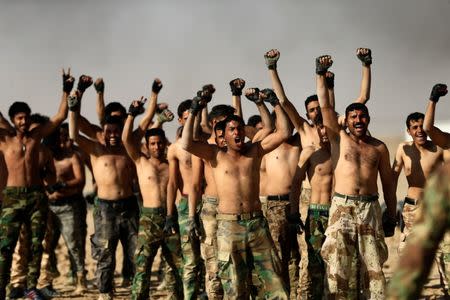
(242, 228)
(116, 212)
(354, 249)
(153, 175)
(64, 194)
(24, 200)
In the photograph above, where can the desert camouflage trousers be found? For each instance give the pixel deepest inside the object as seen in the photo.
(28, 207)
(150, 238)
(313, 266)
(190, 249)
(209, 246)
(354, 250)
(244, 243)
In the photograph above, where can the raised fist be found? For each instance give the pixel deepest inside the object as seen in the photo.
(68, 81)
(73, 102)
(268, 95)
(164, 116)
(198, 103)
(84, 82)
(137, 107)
(236, 86)
(438, 91)
(253, 95)
(207, 92)
(99, 85)
(156, 86)
(364, 55)
(329, 78)
(271, 58)
(322, 64)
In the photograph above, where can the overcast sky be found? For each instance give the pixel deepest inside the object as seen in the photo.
(191, 43)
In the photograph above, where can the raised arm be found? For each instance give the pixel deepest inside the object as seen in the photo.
(237, 85)
(99, 86)
(199, 148)
(440, 138)
(282, 132)
(131, 144)
(328, 113)
(271, 58)
(329, 78)
(257, 97)
(365, 56)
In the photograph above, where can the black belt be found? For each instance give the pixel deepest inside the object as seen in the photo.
(239, 217)
(411, 201)
(278, 197)
(363, 198)
(66, 200)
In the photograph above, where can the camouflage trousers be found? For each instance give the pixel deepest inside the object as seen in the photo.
(209, 247)
(410, 214)
(28, 207)
(304, 201)
(114, 220)
(354, 250)
(244, 243)
(313, 271)
(150, 238)
(276, 213)
(66, 223)
(190, 250)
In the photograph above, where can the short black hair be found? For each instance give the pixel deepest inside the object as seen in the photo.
(415, 116)
(39, 119)
(65, 125)
(220, 126)
(221, 110)
(113, 120)
(356, 106)
(18, 107)
(155, 132)
(310, 99)
(114, 106)
(254, 120)
(184, 106)
(223, 124)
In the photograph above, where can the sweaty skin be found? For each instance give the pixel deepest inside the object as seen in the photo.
(417, 158)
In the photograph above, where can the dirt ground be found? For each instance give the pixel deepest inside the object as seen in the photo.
(431, 291)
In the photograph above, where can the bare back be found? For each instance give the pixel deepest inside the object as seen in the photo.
(153, 176)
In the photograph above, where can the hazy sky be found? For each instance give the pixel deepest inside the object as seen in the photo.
(191, 43)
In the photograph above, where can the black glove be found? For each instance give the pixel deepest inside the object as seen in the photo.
(366, 58)
(99, 85)
(271, 61)
(193, 228)
(254, 97)
(236, 86)
(56, 187)
(170, 225)
(207, 92)
(322, 67)
(156, 86)
(136, 110)
(73, 103)
(90, 198)
(68, 82)
(84, 82)
(438, 90)
(389, 224)
(296, 223)
(329, 78)
(197, 104)
(269, 96)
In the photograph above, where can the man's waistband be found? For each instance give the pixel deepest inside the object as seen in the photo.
(210, 199)
(153, 210)
(411, 201)
(118, 202)
(362, 198)
(23, 189)
(284, 197)
(239, 217)
(319, 207)
(66, 200)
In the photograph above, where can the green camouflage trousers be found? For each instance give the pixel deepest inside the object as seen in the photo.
(113, 221)
(432, 224)
(276, 213)
(150, 238)
(244, 243)
(313, 271)
(26, 206)
(354, 250)
(190, 249)
(209, 247)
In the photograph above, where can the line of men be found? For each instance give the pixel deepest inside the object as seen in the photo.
(219, 207)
